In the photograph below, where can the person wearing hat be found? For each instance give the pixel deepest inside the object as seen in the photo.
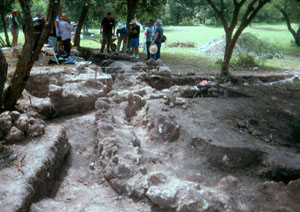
(122, 34)
(65, 29)
(107, 29)
(158, 38)
(14, 27)
(135, 38)
(149, 36)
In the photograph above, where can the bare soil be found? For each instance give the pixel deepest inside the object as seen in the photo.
(150, 146)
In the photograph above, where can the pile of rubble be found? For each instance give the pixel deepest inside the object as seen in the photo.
(139, 131)
(65, 90)
(14, 126)
(246, 44)
(182, 45)
(153, 142)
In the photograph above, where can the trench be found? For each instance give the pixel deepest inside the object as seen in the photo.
(81, 185)
(281, 174)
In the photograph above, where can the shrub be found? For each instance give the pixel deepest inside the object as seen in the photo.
(249, 44)
(247, 60)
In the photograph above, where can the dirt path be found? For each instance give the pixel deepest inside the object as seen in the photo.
(82, 187)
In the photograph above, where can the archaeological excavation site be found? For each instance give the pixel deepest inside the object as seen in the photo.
(116, 134)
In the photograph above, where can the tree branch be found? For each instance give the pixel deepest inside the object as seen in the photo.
(3, 73)
(287, 20)
(249, 15)
(27, 59)
(219, 14)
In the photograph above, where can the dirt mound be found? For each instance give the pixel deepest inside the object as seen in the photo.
(247, 43)
(182, 45)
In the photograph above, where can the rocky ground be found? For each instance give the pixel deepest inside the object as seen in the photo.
(144, 143)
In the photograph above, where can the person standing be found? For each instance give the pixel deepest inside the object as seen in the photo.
(14, 27)
(58, 34)
(107, 29)
(122, 34)
(149, 36)
(38, 25)
(135, 38)
(65, 29)
(158, 38)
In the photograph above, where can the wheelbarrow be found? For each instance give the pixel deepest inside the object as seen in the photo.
(113, 46)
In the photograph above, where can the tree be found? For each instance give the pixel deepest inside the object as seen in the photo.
(83, 15)
(6, 6)
(290, 12)
(253, 7)
(29, 55)
(3, 72)
(131, 8)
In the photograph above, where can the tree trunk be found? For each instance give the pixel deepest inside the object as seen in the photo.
(253, 8)
(131, 8)
(82, 18)
(297, 40)
(228, 53)
(27, 59)
(289, 26)
(86, 28)
(3, 72)
(5, 29)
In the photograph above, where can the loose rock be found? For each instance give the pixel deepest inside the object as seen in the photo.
(14, 115)
(164, 198)
(5, 121)
(14, 134)
(22, 122)
(157, 178)
(37, 129)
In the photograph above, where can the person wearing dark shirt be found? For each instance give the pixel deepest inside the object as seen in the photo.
(134, 38)
(122, 34)
(158, 38)
(149, 36)
(107, 29)
(38, 25)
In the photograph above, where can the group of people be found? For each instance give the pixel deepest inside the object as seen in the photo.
(61, 34)
(153, 34)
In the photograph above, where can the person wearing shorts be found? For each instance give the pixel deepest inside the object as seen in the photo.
(135, 38)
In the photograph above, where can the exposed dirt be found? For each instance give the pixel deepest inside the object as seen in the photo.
(82, 186)
(150, 146)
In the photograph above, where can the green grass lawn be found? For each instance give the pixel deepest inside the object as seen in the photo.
(190, 59)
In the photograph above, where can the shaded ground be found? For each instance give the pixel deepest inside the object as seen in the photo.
(155, 148)
(82, 187)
